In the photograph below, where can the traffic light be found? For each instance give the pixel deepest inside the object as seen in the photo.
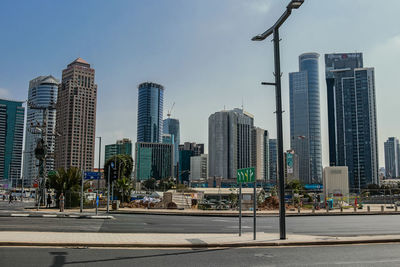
(113, 171)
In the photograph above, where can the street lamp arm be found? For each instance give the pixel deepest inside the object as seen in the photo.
(281, 20)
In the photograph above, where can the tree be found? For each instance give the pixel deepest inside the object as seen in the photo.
(125, 187)
(123, 163)
(66, 180)
(150, 184)
(295, 185)
(166, 184)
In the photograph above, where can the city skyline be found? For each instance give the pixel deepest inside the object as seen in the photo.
(215, 75)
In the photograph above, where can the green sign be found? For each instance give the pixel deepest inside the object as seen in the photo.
(246, 175)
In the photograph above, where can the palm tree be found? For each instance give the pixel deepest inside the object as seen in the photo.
(124, 185)
(65, 180)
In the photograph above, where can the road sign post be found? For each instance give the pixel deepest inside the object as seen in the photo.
(240, 209)
(246, 175)
(83, 177)
(254, 210)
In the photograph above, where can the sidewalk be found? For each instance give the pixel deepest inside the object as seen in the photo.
(158, 240)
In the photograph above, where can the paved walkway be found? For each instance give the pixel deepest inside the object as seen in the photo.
(177, 240)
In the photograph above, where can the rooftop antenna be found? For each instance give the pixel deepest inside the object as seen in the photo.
(170, 110)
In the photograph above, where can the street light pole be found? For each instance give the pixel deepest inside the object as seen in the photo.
(99, 176)
(274, 30)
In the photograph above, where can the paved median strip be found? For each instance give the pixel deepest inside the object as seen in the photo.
(75, 216)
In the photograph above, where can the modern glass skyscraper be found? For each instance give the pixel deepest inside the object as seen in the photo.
(150, 112)
(352, 118)
(305, 122)
(392, 158)
(12, 115)
(171, 126)
(42, 94)
(273, 162)
(230, 142)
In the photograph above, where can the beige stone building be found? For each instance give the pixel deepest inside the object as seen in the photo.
(76, 117)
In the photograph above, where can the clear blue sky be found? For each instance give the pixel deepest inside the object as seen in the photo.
(200, 50)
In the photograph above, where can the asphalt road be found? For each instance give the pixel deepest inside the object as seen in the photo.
(356, 255)
(131, 223)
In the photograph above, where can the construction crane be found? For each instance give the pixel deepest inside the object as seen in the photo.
(170, 110)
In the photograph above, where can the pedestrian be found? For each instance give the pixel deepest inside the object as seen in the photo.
(62, 202)
(10, 199)
(4, 197)
(48, 201)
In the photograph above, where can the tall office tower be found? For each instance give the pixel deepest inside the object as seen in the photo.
(392, 167)
(199, 167)
(260, 153)
(229, 142)
(12, 115)
(352, 118)
(305, 122)
(153, 160)
(42, 94)
(171, 126)
(123, 146)
(76, 117)
(273, 162)
(150, 112)
(186, 151)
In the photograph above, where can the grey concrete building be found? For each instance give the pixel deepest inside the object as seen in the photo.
(229, 142)
(260, 153)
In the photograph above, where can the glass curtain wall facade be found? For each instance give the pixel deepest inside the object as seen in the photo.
(352, 109)
(42, 93)
(153, 160)
(123, 147)
(392, 158)
(171, 126)
(150, 112)
(273, 163)
(305, 121)
(12, 115)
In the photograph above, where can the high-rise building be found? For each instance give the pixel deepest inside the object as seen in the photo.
(76, 117)
(347, 63)
(230, 144)
(12, 115)
(186, 151)
(123, 146)
(392, 158)
(168, 139)
(260, 153)
(150, 112)
(273, 161)
(153, 160)
(305, 122)
(199, 167)
(171, 126)
(42, 94)
(352, 118)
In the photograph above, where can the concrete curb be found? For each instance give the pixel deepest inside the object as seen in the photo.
(74, 216)
(251, 215)
(203, 245)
